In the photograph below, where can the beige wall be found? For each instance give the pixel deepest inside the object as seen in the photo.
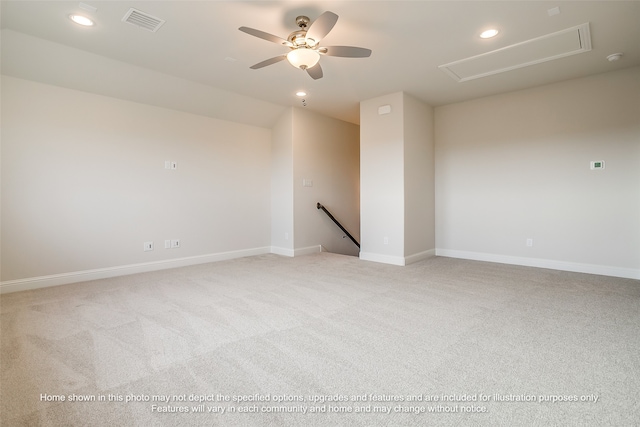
(282, 236)
(382, 180)
(326, 152)
(397, 180)
(517, 166)
(419, 179)
(84, 184)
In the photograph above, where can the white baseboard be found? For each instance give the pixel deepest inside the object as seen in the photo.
(104, 273)
(282, 251)
(124, 270)
(296, 252)
(604, 270)
(420, 256)
(384, 259)
(308, 250)
(397, 260)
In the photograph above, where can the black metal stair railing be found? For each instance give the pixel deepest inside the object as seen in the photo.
(319, 206)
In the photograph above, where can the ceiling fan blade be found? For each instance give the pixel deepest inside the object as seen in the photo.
(266, 36)
(345, 51)
(321, 26)
(268, 62)
(315, 72)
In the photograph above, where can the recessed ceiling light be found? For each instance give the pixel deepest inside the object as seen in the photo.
(614, 57)
(301, 93)
(489, 33)
(82, 20)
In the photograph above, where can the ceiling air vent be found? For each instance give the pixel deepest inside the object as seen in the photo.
(143, 20)
(530, 52)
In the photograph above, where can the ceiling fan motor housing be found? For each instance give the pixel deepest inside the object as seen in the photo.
(298, 38)
(302, 21)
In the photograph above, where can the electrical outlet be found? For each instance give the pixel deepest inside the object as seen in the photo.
(174, 165)
(148, 246)
(529, 242)
(175, 243)
(386, 240)
(167, 244)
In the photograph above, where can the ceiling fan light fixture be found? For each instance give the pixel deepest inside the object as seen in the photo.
(303, 58)
(304, 44)
(298, 38)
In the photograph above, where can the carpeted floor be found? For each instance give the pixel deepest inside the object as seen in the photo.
(325, 340)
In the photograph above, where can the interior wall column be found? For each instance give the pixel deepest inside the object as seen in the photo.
(397, 189)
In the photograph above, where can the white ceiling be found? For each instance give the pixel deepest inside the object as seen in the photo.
(200, 54)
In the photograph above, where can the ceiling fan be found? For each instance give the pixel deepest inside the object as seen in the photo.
(304, 45)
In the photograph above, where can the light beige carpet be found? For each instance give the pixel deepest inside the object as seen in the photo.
(325, 340)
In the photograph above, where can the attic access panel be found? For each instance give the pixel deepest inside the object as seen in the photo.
(535, 51)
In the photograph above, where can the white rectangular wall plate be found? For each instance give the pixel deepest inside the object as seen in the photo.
(384, 109)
